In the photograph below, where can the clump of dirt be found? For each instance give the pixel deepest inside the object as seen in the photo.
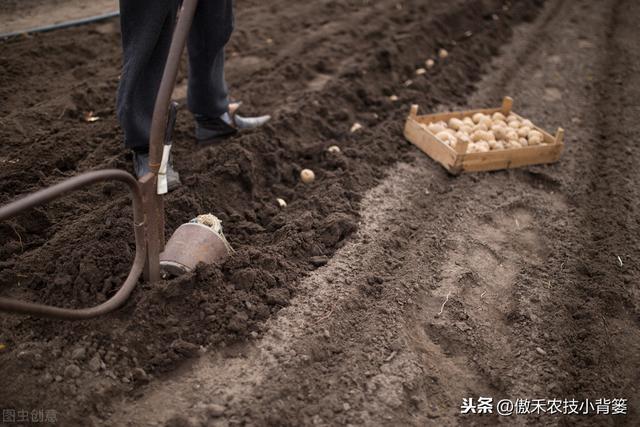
(76, 251)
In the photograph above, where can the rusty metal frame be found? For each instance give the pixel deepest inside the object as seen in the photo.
(48, 194)
(148, 206)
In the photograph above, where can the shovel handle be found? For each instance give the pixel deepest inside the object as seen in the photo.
(162, 105)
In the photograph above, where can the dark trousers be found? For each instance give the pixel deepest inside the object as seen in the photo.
(147, 27)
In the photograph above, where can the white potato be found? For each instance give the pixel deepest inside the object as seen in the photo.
(466, 129)
(496, 145)
(515, 124)
(498, 125)
(513, 143)
(501, 132)
(477, 135)
(477, 117)
(307, 176)
(523, 131)
(462, 136)
(483, 146)
(511, 134)
(436, 128)
(480, 126)
(446, 137)
(487, 122)
(498, 116)
(455, 123)
(482, 135)
(535, 138)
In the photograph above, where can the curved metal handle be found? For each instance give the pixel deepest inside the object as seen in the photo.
(48, 194)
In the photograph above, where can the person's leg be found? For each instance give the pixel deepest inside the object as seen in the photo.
(207, 96)
(147, 27)
(211, 30)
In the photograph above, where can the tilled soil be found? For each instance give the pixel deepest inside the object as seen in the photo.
(387, 290)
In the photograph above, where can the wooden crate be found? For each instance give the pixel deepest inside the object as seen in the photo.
(457, 160)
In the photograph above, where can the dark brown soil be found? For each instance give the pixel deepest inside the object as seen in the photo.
(319, 67)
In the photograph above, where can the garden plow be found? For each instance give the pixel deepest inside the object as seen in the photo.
(191, 243)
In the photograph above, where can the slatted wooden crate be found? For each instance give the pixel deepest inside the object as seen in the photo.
(457, 160)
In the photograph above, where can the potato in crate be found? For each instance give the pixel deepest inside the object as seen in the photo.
(482, 140)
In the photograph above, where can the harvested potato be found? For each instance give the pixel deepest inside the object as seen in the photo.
(483, 146)
(481, 135)
(436, 128)
(515, 124)
(481, 126)
(535, 138)
(536, 133)
(486, 121)
(498, 116)
(468, 121)
(511, 134)
(500, 132)
(478, 117)
(523, 131)
(524, 142)
(455, 123)
(466, 129)
(513, 143)
(462, 135)
(498, 125)
(476, 135)
(446, 137)
(307, 176)
(496, 145)
(527, 122)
